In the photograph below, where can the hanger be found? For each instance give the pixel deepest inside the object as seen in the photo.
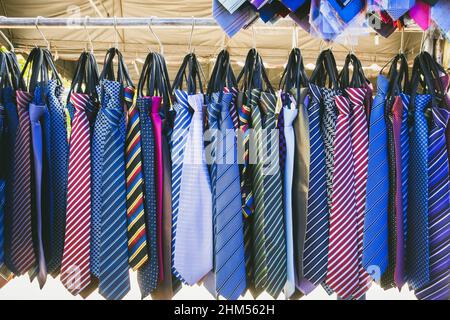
(11, 47)
(161, 47)
(401, 50)
(190, 49)
(295, 37)
(88, 36)
(116, 34)
(254, 37)
(422, 42)
(42, 34)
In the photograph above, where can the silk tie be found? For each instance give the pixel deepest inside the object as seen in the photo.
(137, 237)
(3, 174)
(274, 220)
(375, 242)
(114, 282)
(22, 256)
(157, 128)
(194, 221)
(183, 118)
(148, 274)
(228, 275)
(315, 255)
(75, 268)
(36, 111)
(418, 198)
(59, 158)
(360, 145)
(438, 209)
(397, 114)
(397, 8)
(343, 264)
(289, 115)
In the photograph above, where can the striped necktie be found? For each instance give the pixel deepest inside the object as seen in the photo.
(114, 282)
(375, 242)
(315, 254)
(274, 223)
(75, 269)
(343, 264)
(148, 273)
(194, 222)
(438, 287)
(418, 198)
(137, 237)
(59, 158)
(2, 183)
(229, 262)
(360, 145)
(22, 256)
(183, 117)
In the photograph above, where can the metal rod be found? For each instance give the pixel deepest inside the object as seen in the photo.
(129, 23)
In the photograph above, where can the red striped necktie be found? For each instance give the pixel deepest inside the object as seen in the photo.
(75, 269)
(22, 253)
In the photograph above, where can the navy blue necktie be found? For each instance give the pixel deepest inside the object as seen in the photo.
(2, 183)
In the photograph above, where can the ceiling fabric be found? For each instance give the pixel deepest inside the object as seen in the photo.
(273, 44)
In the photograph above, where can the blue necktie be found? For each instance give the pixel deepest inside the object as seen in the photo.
(438, 209)
(59, 162)
(148, 273)
(183, 116)
(417, 263)
(2, 183)
(316, 241)
(229, 262)
(11, 123)
(114, 282)
(375, 242)
(404, 142)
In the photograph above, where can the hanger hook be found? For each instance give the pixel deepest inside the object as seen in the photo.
(295, 37)
(88, 35)
(191, 36)
(254, 37)
(401, 51)
(36, 24)
(116, 33)
(11, 46)
(161, 47)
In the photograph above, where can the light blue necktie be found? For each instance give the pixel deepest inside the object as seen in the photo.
(418, 253)
(316, 241)
(404, 143)
(114, 282)
(228, 275)
(375, 242)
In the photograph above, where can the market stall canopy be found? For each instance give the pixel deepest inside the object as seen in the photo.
(272, 41)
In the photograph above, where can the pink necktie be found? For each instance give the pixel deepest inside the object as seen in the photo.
(157, 127)
(421, 14)
(75, 267)
(343, 265)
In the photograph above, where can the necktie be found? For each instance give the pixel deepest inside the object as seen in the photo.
(438, 210)
(12, 123)
(114, 282)
(343, 264)
(181, 125)
(148, 273)
(229, 263)
(194, 221)
(36, 112)
(59, 153)
(360, 142)
(232, 5)
(439, 16)
(417, 242)
(258, 232)
(231, 23)
(157, 128)
(2, 184)
(137, 237)
(315, 254)
(397, 114)
(375, 242)
(397, 8)
(22, 256)
(233, 106)
(289, 115)
(274, 222)
(75, 268)
(421, 13)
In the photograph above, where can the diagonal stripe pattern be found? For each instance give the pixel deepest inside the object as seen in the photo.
(137, 233)
(75, 268)
(22, 256)
(343, 264)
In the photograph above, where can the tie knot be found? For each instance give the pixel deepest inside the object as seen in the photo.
(128, 94)
(440, 116)
(112, 93)
(214, 110)
(382, 85)
(23, 99)
(113, 116)
(342, 105)
(79, 101)
(36, 112)
(244, 114)
(421, 102)
(356, 95)
(316, 95)
(268, 103)
(156, 104)
(397, 107)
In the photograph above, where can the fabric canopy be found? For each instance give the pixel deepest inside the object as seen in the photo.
(273, 43)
